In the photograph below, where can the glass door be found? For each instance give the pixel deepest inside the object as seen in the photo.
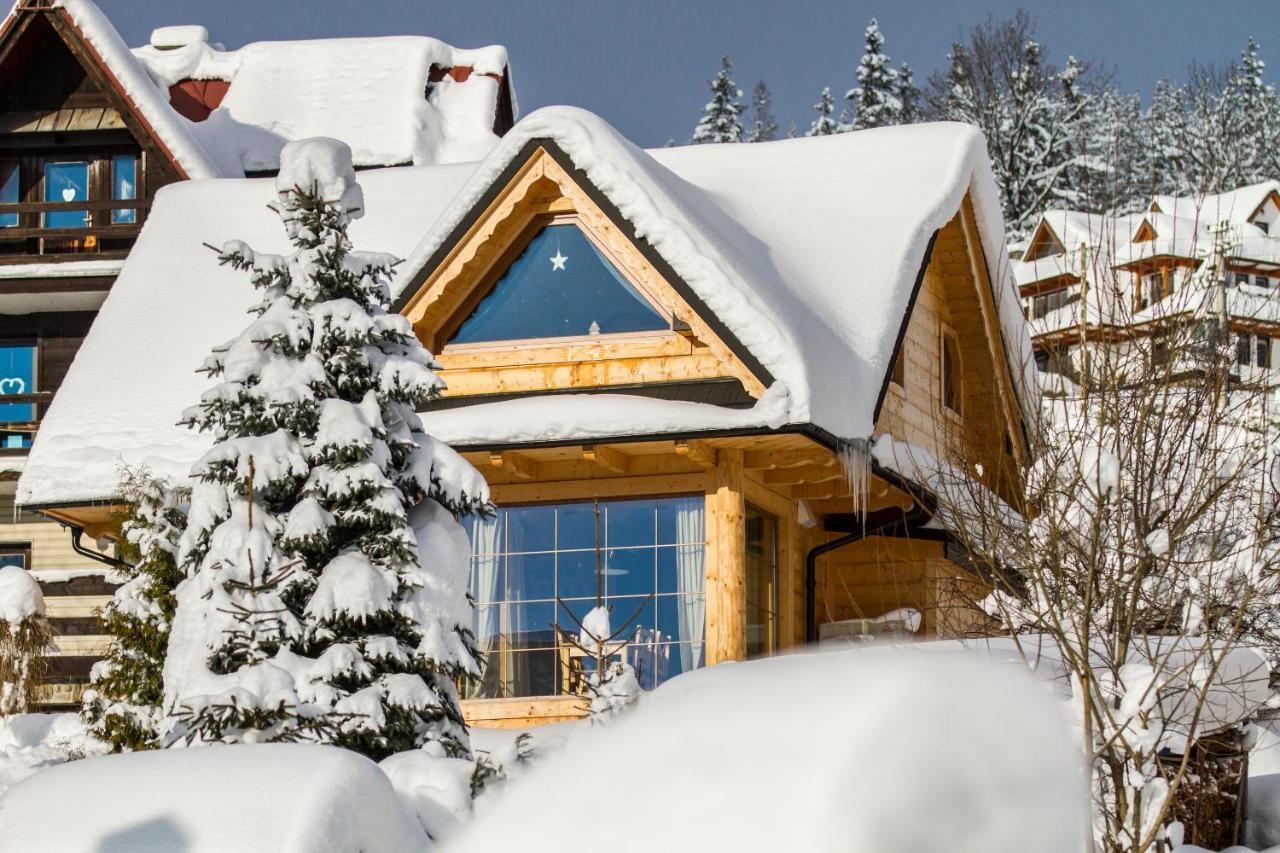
(17, 377)
(65, 182)
(762, 583)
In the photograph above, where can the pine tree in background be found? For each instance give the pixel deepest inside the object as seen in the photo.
(1259, 118)
(763, 128)
(874, 102)
(326, 597)
(124, 704)
(721, 117)
(824, 124)
(1167, 132)
(908, 95)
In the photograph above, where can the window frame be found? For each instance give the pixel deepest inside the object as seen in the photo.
(36, 360)
(948, 351)
(499, 268)
(22, 548)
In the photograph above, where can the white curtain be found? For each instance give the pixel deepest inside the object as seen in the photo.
(691, 536)
(485, 565)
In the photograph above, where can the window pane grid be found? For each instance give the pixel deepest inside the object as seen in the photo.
(527, 557)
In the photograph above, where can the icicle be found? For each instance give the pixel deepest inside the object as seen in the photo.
(855, 460)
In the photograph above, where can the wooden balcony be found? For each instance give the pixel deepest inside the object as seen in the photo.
(30, 241)
(40, 400)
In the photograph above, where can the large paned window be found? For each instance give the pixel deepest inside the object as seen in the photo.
(10, 184)
(762, 583)
(124, 187)
(641, 555)
(17, 377)
(560, 286)
(66, 182)
(15, 555)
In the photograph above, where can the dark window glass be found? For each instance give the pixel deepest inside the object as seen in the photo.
(1261, 281)
(1264, 352)
(65, 182)
(14, 557)
(559, 286)
(1242, 350)
(124, 186)
(950, 373)
(9, 191)
(762, 582)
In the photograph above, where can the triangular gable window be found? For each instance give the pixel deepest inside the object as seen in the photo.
(560, 286)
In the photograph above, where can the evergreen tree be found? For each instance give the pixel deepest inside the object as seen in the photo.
(124, 705)
(326, 591)
(875, 101)
(1167, 135)
(764, 128)
(1258, 124)
(824, 124)
(908, 95)
(721, 117)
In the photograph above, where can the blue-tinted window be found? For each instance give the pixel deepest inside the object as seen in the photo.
(11, 557)
(559, 286)
(9, 191)
(66, 182)
(124, 186)
(527, 557)
(17, 376)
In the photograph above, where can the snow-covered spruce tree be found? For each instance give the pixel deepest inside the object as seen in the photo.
(327, 592)
(824, 124)
(124, 704)
(908, 95)
(722, 116)
(875, 101)
(763, 127)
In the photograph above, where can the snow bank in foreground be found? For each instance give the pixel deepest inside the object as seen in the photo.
(273, 798)
(30, 743)
(892, 752)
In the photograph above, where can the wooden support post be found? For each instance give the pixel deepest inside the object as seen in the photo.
(514, 463)
(726, 569)
(608, 458)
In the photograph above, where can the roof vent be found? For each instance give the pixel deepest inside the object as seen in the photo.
(171, 38)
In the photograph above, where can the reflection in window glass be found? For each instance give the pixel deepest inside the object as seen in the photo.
(527, 557)
(65, 182)
(13, 557)
(762, 578)
(9, 191)
(124, 184)
(560, 286)
(17, 377)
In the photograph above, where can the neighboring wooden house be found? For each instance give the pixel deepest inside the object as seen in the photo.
(1211, 259)
(744, 358)
(90, 131)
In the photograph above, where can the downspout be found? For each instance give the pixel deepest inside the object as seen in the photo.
(76, 533)
(908, 521)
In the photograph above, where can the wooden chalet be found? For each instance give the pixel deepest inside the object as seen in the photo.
(719, 414)
(90, 131)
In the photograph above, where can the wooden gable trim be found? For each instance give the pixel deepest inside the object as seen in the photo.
(1145, 233)
(902, 327)
(89, 58)
(1271, 196)
(1043, 235)
(418, 287)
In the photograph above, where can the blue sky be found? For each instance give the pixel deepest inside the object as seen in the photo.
(643, 65)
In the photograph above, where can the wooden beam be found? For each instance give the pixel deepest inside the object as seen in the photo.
(516, 464)
(726, 561)
(696, 451)
(768, 459)
(600, 487)
(821, 491)
(803, 474)
(608, 458)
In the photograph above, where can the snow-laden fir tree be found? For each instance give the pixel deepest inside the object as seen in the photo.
(124, 704)
(824, 124)
(763, 127)
(327, 592)
(875, 101)
(722, 116)
(908, 95)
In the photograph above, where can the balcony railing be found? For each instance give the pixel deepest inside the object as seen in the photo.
(39, 402)
(31, 241)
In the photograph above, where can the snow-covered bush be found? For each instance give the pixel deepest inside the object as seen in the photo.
(25, 637)
(327, 592)
(124, 705)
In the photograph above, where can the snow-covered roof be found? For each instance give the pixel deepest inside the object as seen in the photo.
(807, 251)
(1234, 207)
(369, 92)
